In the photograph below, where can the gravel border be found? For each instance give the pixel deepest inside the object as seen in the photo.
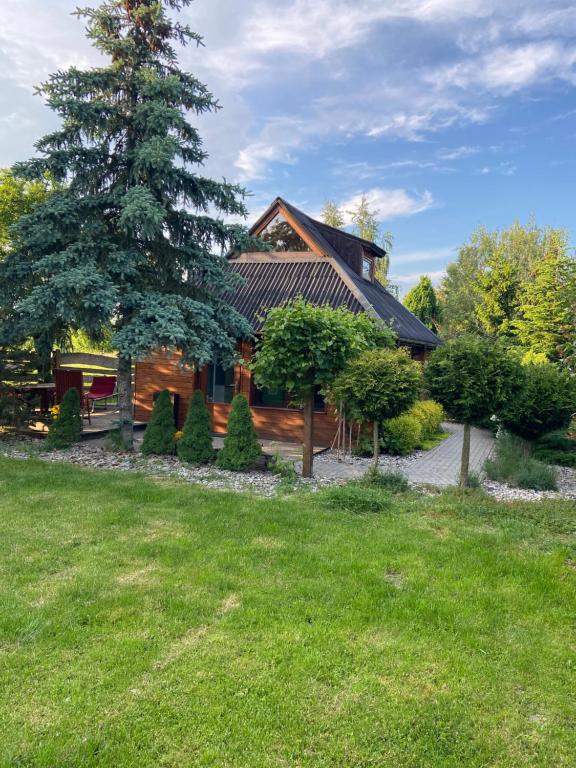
(258, 482)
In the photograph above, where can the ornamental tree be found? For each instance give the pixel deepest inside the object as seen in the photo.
(545, 401)
(378, 384)
(303, 347)
(66, 429)
(473, 378)
(241, 447)
(159, 435)
(130, 240)
(195, 445)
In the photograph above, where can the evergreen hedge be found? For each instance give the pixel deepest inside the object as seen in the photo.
(195, 445)
(241, 446)
(159, 435)
(66, 429)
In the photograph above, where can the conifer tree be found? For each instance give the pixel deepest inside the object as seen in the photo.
(160, 431)
(241, 446)
(547, 311)
(195, 445)
(332, 215)
(66, 429)
(130, 239)
(422, 302)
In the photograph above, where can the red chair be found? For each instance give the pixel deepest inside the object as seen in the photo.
(66, 380)
(102, 388)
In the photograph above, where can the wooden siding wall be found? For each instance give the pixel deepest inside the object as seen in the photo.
(161, 372)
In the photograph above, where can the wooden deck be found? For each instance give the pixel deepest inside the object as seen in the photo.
(103, 421)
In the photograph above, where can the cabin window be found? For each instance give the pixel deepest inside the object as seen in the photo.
(282, 236)
(367, 269)
(220, 384)
(281, 398)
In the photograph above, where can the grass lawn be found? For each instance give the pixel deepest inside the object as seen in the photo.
(148, 623)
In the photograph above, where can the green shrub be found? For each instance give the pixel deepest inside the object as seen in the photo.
(363, 448)
(354, 497)
(286, 471)
(536, 476)
(557, 441)
(510, 465)
(395, 482)
(241, 446)
(401, 435)
(560, 458)
(430, 415)
(66, 429)
(159, 434)
(195, 445)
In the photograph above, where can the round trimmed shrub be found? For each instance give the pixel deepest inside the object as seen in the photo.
(195, 445)
(241, 447)
(159, 434)
(401, 435)
(430, 414)
(67, 428)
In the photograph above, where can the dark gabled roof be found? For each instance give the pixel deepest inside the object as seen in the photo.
(334, 242)
(273, 283)
(273, 279)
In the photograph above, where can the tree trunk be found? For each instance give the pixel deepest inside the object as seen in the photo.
(465, 460)
(526, 448)
(125, 405)
(308, 452)
(376, 439)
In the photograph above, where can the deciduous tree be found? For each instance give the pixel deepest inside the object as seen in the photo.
(378, 384)
(303, 347)
(472, 378)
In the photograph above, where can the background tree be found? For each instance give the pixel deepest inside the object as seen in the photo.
(241, 447)
(159, 434)
(423, 302)
(303, 347)
(498, 288)
(332, 215)
(547, 310)
(130, 240)
(378, 384)
(545, 401)
(482, 287)
(17, 198)
(472, 378)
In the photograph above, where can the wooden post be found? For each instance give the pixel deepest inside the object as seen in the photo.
(308, 451)
(465, 460)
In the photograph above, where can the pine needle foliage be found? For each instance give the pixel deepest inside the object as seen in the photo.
(67, 427)
(131, 239)
(159, 434)
(195, 445)
(241, 446)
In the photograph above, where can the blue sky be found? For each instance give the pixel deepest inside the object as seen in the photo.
(447, 114)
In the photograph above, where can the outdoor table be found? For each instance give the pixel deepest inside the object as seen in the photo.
(44, 389)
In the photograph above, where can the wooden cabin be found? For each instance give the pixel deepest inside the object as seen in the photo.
(310, 259)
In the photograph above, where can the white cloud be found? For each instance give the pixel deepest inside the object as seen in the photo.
(507, 69)
(430, 254)
(389, 203)
(457, 153)
(407, 281)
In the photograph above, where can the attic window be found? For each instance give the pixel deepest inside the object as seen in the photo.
(367, 268)
(282, 236)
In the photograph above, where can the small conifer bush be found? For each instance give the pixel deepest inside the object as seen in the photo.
(66, 429)
(241, 446)
(195, 445)
(159, 435)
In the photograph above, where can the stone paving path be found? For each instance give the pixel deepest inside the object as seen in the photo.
(441, 465)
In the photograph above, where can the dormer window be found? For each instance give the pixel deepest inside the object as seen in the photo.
(367, 268)
(282, 236)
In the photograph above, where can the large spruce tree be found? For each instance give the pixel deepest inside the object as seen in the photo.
(130, 238)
